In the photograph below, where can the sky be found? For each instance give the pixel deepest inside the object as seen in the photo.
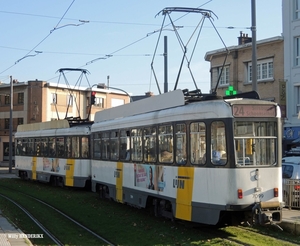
(119, 42)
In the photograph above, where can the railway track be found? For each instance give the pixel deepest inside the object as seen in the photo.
(44, 226)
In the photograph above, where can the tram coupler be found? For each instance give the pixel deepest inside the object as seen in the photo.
(267, 213)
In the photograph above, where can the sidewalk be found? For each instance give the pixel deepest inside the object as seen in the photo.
(290, 221)
(10, 235)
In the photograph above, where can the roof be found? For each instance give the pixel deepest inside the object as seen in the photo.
(291, 159)
(236, 47)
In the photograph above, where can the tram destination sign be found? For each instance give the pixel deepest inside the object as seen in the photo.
(240, 110)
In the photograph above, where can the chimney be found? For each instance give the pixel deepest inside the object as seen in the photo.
(244, 39)
(149, 94)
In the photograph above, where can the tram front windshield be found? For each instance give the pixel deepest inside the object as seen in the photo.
(255, 143)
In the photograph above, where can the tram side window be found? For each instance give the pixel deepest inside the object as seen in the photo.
(37, 147)
(114, 145)
(60, 146)
(30, 147)
(52, 147)
(150, 144)
(45, 148)
(125, 145)
(218, 143)
(85, 152)
(19, 147)
(105, 145)
(136, 145)
(96, 146)
(75, 147)
(198, 143)
(165, 143)
(180, 138)
(69, 147)
(24, 146)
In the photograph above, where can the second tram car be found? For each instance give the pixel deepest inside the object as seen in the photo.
(202, 159)
(54, 152)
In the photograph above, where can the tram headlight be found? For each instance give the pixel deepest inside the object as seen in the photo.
(240, 193)
(275, 192)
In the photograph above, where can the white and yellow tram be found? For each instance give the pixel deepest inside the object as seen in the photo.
(54, 152)
(200, 160)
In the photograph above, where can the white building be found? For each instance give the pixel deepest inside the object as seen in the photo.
(291, 34)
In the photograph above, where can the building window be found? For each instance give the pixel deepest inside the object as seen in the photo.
(297, 51)
(20, 121)
(224, 79)
(21, 98)
(99, 102)
(6, 123)
(297, 9)
(297, 97)
(54, 98)
(264, 70)
(69, 100)
(7, 100)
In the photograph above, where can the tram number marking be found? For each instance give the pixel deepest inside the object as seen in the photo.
(117, 174)
(67, 167)
(238, 111)
(178, 183)
(260, 195)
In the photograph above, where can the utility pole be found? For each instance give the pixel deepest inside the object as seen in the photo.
(254, 58)
(166, 64)
(10, 125)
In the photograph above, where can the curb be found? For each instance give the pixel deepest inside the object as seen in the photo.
(291, 226)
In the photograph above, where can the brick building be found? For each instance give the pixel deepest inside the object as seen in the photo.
(40, 101)
(238, 68)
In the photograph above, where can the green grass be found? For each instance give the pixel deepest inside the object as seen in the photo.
(118, 223)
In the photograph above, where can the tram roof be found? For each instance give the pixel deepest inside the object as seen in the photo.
(155, 103)
(203, 110)
(55, 124)
(52, 128)
(169, 100)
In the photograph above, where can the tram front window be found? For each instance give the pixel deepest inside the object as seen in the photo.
(255, 143)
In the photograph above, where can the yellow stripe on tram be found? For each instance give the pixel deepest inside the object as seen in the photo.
(184, 184)
(70, 166)
(33, 168)
(119, 182)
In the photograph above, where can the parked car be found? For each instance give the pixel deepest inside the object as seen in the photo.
(291, 181)
(293, 152)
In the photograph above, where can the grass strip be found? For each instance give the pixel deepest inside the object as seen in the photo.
(67, 232)
(117, 222)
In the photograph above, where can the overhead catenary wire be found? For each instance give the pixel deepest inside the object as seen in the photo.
(109, 55)
(105, 56)
(116, 22)
(27, 54)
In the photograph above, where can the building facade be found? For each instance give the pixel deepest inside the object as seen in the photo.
(237, 71)
(291, 33)
(40, 101)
